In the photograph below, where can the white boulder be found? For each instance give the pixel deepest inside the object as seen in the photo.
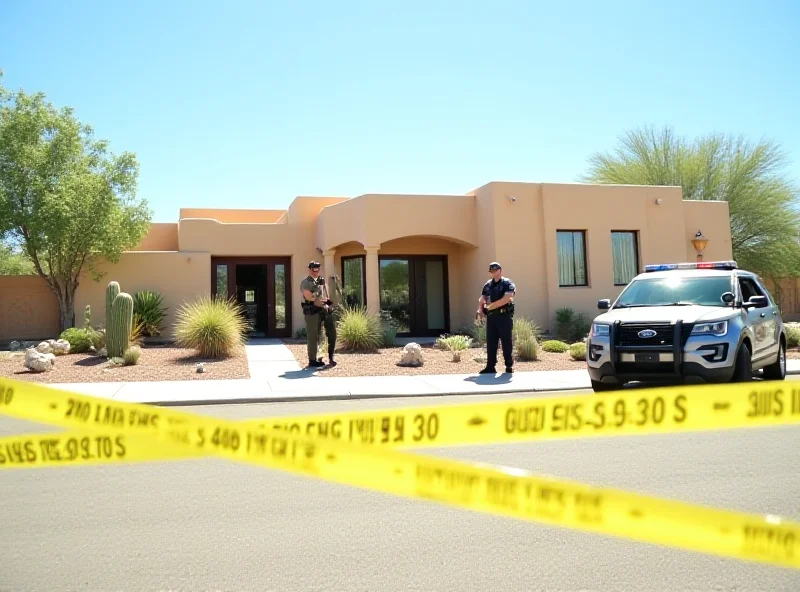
(39, 362)
(45, 347)
(60, 347)
(412, 355)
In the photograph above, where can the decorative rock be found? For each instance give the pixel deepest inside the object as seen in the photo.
(200, 368)
(14, 346)
(102, 352)
(39, 362)
(44, 347)
(60, 347)
(412, 355)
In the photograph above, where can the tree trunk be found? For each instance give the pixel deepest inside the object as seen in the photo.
(66, 305)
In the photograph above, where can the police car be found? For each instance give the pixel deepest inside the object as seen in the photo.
(687, 322)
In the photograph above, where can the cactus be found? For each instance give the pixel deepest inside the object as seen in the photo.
(87, 317)
(118, 333)
(111, 292)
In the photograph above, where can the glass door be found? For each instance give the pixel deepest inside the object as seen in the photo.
(414, 292)
(395, 285)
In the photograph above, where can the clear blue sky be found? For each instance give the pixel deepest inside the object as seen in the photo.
(248, 104)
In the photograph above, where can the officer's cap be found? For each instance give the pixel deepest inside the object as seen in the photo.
(314, 265)
(494, 266)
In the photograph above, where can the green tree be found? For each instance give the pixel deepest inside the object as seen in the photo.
(13, 263)
(64, 199)
(761, 200)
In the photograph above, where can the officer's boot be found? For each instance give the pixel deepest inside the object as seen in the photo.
(331, 361)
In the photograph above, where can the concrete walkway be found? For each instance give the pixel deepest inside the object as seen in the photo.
(276, 376)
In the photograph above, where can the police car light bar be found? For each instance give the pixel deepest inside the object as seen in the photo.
(699, 265)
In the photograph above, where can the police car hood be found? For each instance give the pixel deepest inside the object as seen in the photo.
(670, 314)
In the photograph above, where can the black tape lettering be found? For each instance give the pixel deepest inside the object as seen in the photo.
(599, 416)
(620, 415)
(438, 483)
(79, 410)
(142, 419)
(109, 416)
(589, 507)
(795, 401)
(545, 501)
(120, 442)
(426, 429)
(525, 419)
(680, 409)
(772, 541)
(18, 453)
(763, 403)
(6, 394)
(502, 492)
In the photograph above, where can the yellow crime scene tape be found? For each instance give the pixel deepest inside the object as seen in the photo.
(106, 432)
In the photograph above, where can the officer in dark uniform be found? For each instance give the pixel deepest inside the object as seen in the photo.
(496, 304)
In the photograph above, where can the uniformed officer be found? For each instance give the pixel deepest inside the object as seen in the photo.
(316, 312)
(496, 304)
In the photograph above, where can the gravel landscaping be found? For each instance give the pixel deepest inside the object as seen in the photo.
(384, 362)
(436, 361)
(155, 363)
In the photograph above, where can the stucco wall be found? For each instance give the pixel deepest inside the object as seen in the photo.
(526, 244)
(713, 219)
(160, 237)
(28, 309)
(178, 277)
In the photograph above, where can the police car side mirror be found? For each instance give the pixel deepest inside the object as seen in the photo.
(728, 297)
(756, 302)
(604, 304)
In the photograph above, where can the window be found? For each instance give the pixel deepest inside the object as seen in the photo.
(572, 258)
(353, 281)
(625, 256)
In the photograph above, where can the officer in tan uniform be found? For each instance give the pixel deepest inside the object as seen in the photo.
(317, 312)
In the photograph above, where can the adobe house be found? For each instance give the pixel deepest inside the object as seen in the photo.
(423, 257)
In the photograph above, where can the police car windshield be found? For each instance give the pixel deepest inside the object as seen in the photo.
(675, 291)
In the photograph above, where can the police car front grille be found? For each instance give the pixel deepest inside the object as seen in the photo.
(628, 334)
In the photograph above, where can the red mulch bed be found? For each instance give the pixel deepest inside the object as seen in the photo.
(384, 362)
(155, 363)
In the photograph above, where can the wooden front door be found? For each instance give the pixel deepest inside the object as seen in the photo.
(261, 285)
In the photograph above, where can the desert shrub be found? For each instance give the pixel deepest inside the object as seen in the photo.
(555, 347)
(527, 348)
(131, 356)
(571, 327)
(80, 340)
(578, 351)
(525, 328)
(301, 333)
(359, 330)
(792, 335)
(214, 327)
(526, 339)
(455, 344)
(148, 312)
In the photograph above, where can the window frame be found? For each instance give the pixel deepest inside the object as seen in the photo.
(582, 233)
(637, 254)
(363, 259)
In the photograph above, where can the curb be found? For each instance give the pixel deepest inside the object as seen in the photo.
(350, 397)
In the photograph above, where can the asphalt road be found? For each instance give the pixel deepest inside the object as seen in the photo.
(212, 525)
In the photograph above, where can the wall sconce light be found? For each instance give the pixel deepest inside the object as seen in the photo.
(659, 201)
(699, 242)
(512, 199)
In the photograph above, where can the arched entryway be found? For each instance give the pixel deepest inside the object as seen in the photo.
(408, 279)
